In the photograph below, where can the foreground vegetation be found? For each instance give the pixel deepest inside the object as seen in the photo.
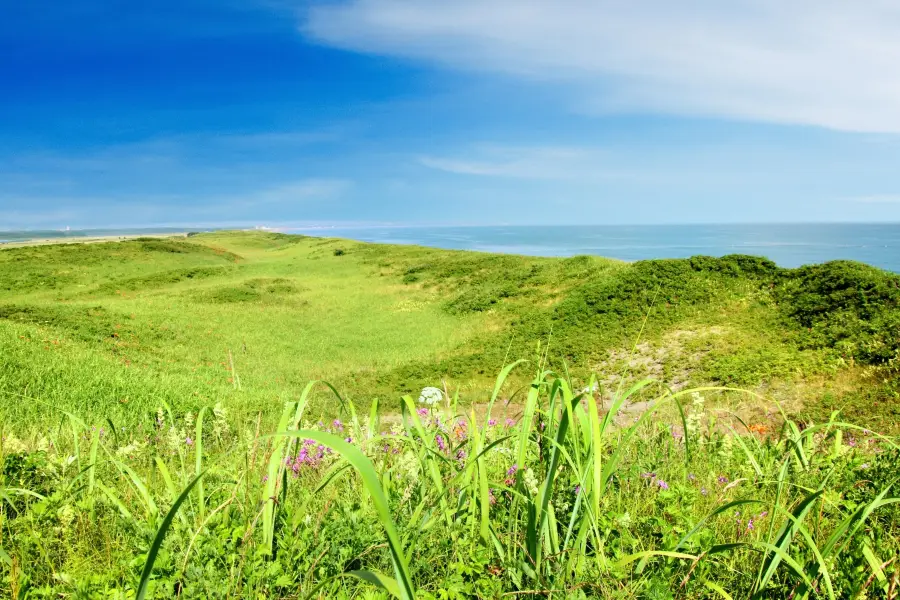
(156, 426)
(565, 501)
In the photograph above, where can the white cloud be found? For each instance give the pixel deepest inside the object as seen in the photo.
(878, 199)
(526, 162)
(57, 211)
(830, 63)
(295, 191)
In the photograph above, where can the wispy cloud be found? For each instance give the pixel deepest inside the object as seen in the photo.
(878, 199)
(293, 192)
(525, 162)
(827, 63)
(281, 201)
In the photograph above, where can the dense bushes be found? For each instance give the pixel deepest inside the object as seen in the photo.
(845, 305)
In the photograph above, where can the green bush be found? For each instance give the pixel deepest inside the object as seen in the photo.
(848, 306)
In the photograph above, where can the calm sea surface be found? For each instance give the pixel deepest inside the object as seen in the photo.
(788, 245)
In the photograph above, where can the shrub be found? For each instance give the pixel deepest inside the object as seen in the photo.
(845, 305)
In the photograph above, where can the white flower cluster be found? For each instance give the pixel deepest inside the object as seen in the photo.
(174, 437)
(431, 396)
(220, 423)
(407, 469)
(131, 449)
(530, 481)
(591, 389)
(726, 450)
(13, 445)
(695, 418)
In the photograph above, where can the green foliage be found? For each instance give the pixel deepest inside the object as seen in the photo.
(251, 290)
(159, 280)
(565, 499)
(848, 306)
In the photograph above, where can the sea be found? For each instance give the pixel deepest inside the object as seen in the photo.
(789, 245)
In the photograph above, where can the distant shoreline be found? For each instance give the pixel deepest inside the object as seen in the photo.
(87, 239)
(788, 246)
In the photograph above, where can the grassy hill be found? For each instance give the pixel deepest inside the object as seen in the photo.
(247, 318)
(159, 436)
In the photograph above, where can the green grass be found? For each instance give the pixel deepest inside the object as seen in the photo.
(167, 319)
(131, 368)
(563, 503)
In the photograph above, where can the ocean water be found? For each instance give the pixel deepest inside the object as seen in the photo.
(789, 245)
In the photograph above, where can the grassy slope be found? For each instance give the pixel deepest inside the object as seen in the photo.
(114, 329)
(117, 330)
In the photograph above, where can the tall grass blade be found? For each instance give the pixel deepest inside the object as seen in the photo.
(379, 580)
(718, 589)
(371, 482)
(770, 564)
(160, 536)
(198, 464)
(498, 385)
(273, 472)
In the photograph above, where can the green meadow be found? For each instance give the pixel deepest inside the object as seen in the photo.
(258, 415)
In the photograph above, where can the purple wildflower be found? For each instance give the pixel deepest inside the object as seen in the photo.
(441, 444)
(722, 479)
(663, 486)
(422, 412)
(512, 470)
(509, 422)
(704, 491)
(189, 441)
(492, 422)
(750, 524)
(338, 426)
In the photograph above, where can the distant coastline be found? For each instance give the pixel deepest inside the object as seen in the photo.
(15, 239)
(789, 245)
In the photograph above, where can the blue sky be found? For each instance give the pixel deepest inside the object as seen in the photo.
(245, 112)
